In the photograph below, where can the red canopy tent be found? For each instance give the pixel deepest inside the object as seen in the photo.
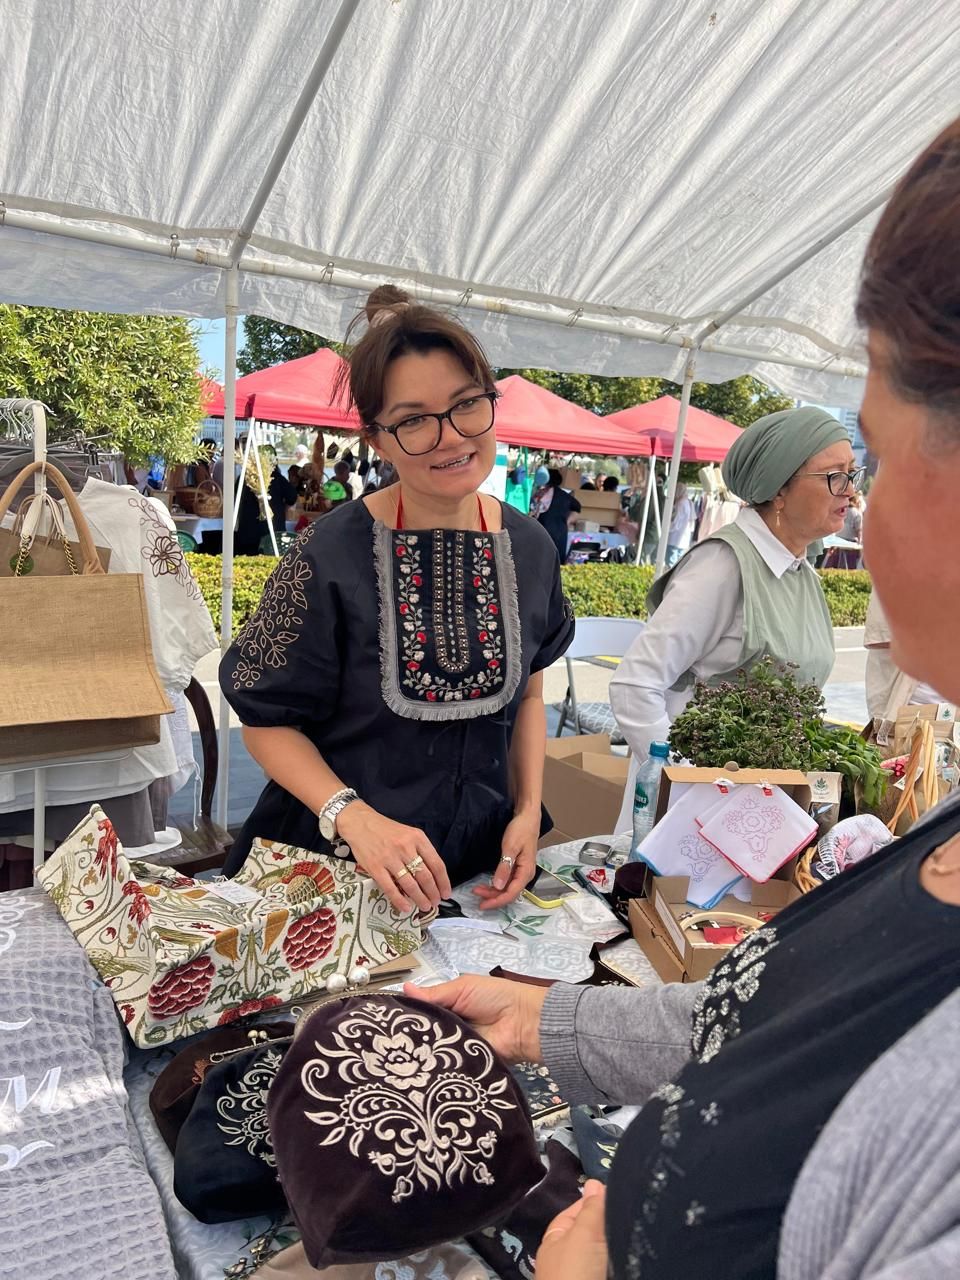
(707, 437)
(299, 391)
(528, 414)
(210, 392)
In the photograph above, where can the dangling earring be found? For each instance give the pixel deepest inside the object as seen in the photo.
(778, 517)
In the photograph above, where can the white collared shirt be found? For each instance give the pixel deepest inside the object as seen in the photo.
(698, 627)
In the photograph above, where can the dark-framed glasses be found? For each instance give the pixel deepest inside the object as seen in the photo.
(841, 482)
(422, 432)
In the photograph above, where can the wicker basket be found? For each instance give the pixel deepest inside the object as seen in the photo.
(208, 500)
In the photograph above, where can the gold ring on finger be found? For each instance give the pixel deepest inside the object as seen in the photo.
(404, 871)
(414, 866)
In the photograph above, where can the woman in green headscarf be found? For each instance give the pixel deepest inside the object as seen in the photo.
(747, 592)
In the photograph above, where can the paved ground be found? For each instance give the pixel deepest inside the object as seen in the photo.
(844, 696)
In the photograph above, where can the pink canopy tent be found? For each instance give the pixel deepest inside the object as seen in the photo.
(299, 391)
(528, 414)
(707, 437)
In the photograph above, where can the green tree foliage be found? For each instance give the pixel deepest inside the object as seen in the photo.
(131, 379)
(267, 342)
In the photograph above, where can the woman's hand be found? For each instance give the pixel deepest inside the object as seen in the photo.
(507, 1014)
(384, 849)
(574, 1246)
(517, 865)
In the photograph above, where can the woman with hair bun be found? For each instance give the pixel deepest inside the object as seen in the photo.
(390, 682)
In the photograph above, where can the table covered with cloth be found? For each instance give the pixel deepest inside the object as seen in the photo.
(89, 1180)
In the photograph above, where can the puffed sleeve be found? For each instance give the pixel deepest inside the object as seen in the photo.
(559, 628)
(283, 668)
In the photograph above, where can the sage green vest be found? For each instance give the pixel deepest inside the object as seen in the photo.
(783, 618)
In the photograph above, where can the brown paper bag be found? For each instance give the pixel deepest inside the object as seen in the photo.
(76, 662)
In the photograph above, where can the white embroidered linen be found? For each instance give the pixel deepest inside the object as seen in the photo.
(676, 847)
(758, 829)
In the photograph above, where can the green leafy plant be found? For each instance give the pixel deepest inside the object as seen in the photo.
(766, 719)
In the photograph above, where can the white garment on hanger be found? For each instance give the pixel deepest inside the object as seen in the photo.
(142, 539)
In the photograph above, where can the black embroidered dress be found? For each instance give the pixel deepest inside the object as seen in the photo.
(403, 655)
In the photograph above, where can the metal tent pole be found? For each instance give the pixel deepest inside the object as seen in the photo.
(675, 462)
(651, 486)
(229, 485)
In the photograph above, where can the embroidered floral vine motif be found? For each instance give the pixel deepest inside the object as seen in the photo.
(279, 618)
(422, 1108)
(243, 1108)
(449, 622)
(162, 551)
(716, 1014)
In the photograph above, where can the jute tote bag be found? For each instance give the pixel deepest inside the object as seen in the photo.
(76, 664)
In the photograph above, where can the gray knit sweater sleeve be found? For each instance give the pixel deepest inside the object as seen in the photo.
(616, 1044)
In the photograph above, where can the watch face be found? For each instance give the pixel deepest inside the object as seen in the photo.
(327, 828)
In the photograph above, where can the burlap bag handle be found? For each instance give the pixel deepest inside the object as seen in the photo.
(88, 550)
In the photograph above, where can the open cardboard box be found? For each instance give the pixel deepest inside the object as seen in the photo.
(680, 956)
(583, 786)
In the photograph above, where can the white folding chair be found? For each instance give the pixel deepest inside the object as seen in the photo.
(595, 638)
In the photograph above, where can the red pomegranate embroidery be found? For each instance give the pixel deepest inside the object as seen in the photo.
(182, 989)
(140, 903)
(310, 939)
(246, 1009)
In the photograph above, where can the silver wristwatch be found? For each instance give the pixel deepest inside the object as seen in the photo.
(328, 815)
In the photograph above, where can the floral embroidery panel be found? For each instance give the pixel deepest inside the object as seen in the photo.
(450, 629)
(423, 1107)
(279, 619)
(243, 1108)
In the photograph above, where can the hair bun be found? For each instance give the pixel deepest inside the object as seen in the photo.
(386, 300)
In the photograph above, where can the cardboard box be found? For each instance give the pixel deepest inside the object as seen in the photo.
(598, 500)
(583, 785)
(571, 478)
(678, 956)
(792, 781)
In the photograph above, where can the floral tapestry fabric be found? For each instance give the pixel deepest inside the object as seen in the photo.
(449, 622)
(179, 955)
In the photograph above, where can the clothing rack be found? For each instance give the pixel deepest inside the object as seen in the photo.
(25, 421)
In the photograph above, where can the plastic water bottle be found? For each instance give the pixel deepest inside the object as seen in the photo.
(645, 796)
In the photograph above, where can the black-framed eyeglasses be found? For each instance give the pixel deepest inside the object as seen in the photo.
(422, 433)
(841, 482)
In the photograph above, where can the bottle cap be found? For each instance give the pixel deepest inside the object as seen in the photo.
(660, 749)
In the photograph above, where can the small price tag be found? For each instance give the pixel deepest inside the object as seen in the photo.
(239, 894)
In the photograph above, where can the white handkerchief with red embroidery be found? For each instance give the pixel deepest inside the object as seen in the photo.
(758, 829)
(675, 847)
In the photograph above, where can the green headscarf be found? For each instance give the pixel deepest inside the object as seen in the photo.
(774, 448)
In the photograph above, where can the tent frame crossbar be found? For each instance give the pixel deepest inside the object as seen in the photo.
(841, 363)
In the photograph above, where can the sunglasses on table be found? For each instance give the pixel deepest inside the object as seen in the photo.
(422, 432)
(841, 482)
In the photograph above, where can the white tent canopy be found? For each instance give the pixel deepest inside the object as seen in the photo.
(664, 187)
(614, 167)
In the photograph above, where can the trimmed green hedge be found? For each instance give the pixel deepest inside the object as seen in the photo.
(595, 590)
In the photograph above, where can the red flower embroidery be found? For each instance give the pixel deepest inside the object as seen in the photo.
(417, 580)
(246, 1009)
(487, 553)
(140, 903)
(474, 693)
(413, 666)
(129, 1013)
(494, 609)
(401, 551)
(182, 989)
(493, 663)
(482, 636)
(321, 876)
(106, 850)
(431, 695)
(422, 637)
(310, 939)
(477, 582)
(404, 608)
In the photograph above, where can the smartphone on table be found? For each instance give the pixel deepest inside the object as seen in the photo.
(548, 890)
